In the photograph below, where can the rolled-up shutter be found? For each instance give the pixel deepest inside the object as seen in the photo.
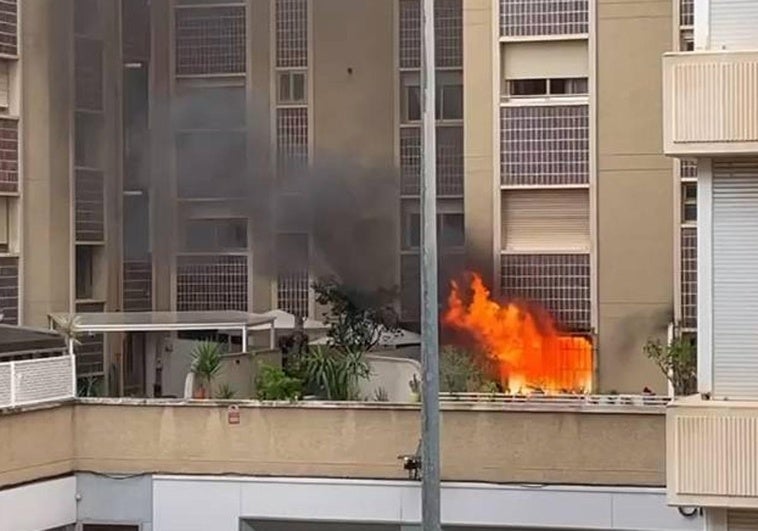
(735, 279)
(742, 520)
(546, 220)
(733, 24)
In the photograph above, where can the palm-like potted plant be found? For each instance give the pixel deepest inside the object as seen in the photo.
(206, 364)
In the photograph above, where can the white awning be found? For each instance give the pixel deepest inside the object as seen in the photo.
(286, 321)
(101, 322)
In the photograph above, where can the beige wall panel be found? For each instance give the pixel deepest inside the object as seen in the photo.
(635, 192)
(481, 162)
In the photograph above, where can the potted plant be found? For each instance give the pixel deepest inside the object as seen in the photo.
(206, 364)
(415, 386)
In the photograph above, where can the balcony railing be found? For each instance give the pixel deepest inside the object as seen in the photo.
(27, 382)
(711, 453)
(709, 103)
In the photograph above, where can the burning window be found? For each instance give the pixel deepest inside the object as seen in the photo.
(522, 18)
(210, 40)
(522, 339)
(559, 283)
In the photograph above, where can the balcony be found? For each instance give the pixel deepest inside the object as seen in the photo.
(711, 455)
(709, 104)
(619, 443)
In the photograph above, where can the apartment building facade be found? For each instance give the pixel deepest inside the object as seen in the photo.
(173, 148)
(709, 118)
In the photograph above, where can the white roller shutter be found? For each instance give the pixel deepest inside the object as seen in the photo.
(733, 25)
(546, 220)
(742, 520)
(735, 279)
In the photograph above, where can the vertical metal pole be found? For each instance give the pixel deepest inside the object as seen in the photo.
(430, 422)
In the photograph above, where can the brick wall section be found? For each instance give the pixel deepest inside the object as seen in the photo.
(9, 27)
(9, 290)
(138, 286)
(8, 155)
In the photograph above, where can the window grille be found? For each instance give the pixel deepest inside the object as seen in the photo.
(448, 24)
(449, 160)
(210, 40)
(89, 212)
(138, 286)
(688, 169)
(292, 265)
(90, 350)
(8, 156)
(136, 41)
(292, 139)
(410, 288)
(9, 290)
(558, 283)
(9, 27)
(527, 18)
(689, 277)
(291, 33)
(410, 160)
(687, 12)
(211, 282)
(89, 74)
(545, 145)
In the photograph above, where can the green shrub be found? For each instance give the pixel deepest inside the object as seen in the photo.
(334, 374)
(273, 384)
(461, 372)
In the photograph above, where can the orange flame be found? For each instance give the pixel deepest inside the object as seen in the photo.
(529, 352)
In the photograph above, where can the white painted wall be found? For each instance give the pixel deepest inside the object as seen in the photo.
(38, 506)
(392, 375)
(115, 500)
(200, 503)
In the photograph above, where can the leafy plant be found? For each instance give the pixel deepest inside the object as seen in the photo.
(273, 384)
(677, 361)
(460, 372)
(356, 318)
(335, 374)
(381, 395)
(68, 327)
(206, 363)
(225, 392)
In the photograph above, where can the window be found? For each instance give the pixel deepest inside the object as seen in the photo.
(84, 272)
(449, 97)
(216, 235)
(4, 224)
(450, 230)
(210, 40)
(689, 203)
(547, 87)
(521, 18)
(291, 87)
(687, 41)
